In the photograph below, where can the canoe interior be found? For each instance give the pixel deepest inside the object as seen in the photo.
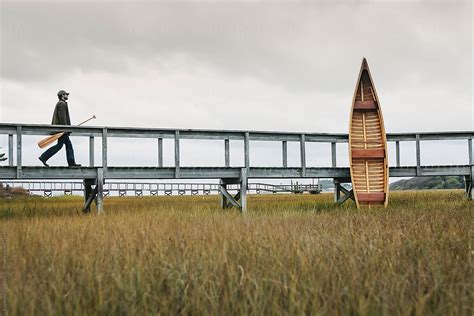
(368, 145)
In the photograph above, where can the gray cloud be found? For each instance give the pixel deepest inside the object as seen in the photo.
(296, 46)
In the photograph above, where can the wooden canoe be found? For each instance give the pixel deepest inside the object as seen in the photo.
(367, 143)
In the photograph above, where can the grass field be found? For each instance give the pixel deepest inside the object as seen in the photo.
(291, 254)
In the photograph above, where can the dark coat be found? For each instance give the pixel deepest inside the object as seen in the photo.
(61, 114)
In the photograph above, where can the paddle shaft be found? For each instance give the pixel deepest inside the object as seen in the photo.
(93, 117)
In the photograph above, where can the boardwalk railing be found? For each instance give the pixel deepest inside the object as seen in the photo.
(153, 189)
(227, 173)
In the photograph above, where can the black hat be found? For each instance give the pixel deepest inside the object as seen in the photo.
(61, 92)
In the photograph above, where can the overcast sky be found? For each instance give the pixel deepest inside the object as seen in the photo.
(288, 66)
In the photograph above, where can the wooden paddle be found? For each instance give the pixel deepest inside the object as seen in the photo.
(50, 139)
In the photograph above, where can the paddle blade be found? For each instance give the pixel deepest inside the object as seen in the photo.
(48, 140)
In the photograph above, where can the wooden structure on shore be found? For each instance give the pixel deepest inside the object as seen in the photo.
(122, 189)
(367, 143)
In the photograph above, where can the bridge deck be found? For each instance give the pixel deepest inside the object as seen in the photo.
(7, 172)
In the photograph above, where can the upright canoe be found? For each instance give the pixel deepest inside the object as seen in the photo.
(367, 144)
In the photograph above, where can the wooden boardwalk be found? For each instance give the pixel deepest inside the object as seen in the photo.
(95, 174)
(47, 188)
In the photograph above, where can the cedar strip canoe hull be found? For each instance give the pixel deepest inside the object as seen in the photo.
(367, 144)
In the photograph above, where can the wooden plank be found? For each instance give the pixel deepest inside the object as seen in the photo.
(247, 150)
(176, 153)
(100, 190)
(10, 150)
(224, 202)
(337, 190)
(368, 153)
(89, 196)
(376, 182)
(349, 195)
(371, 197)
(37, 172)
(430, 136)
(367, 184)
(469, 148)
(333, 154)
(243, 189)
(373, 94)
(160, 152)
(104, 149)
(230, 199)
(227, 152)
(374, 133)
(375, 171)
(362, 89)
(87, 188)
(91, 151)
(44, 129)
(303, 155)
(365, 105)
(18, 151)
(418, 156)
(364, 134)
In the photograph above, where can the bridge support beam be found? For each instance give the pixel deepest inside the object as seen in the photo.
(240, 199)
(243, 189)
(94, 194)
(228, 200)
(468, 186)
(100, 191)
(88, 194)
(338, 189)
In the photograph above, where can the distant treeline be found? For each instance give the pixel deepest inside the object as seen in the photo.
(423, 183)
(419, 183)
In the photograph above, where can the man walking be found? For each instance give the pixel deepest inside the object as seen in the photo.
(61, 117)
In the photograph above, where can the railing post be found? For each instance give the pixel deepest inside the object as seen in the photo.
(91, 151)
(469, 147)
(418, 155)
(246, 150)
(333, 154)
(284, 151)
(469, 179)
(303, 155)
(10, 150)
(176, 153)
(18, 151)
(160, 152)
(104, 149)
(397, 152)
(227, 152)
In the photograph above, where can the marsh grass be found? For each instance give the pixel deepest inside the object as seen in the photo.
(290, 254)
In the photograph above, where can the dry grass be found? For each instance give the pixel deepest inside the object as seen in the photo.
(289, 255)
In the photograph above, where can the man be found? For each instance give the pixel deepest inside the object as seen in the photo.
(61, 117)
